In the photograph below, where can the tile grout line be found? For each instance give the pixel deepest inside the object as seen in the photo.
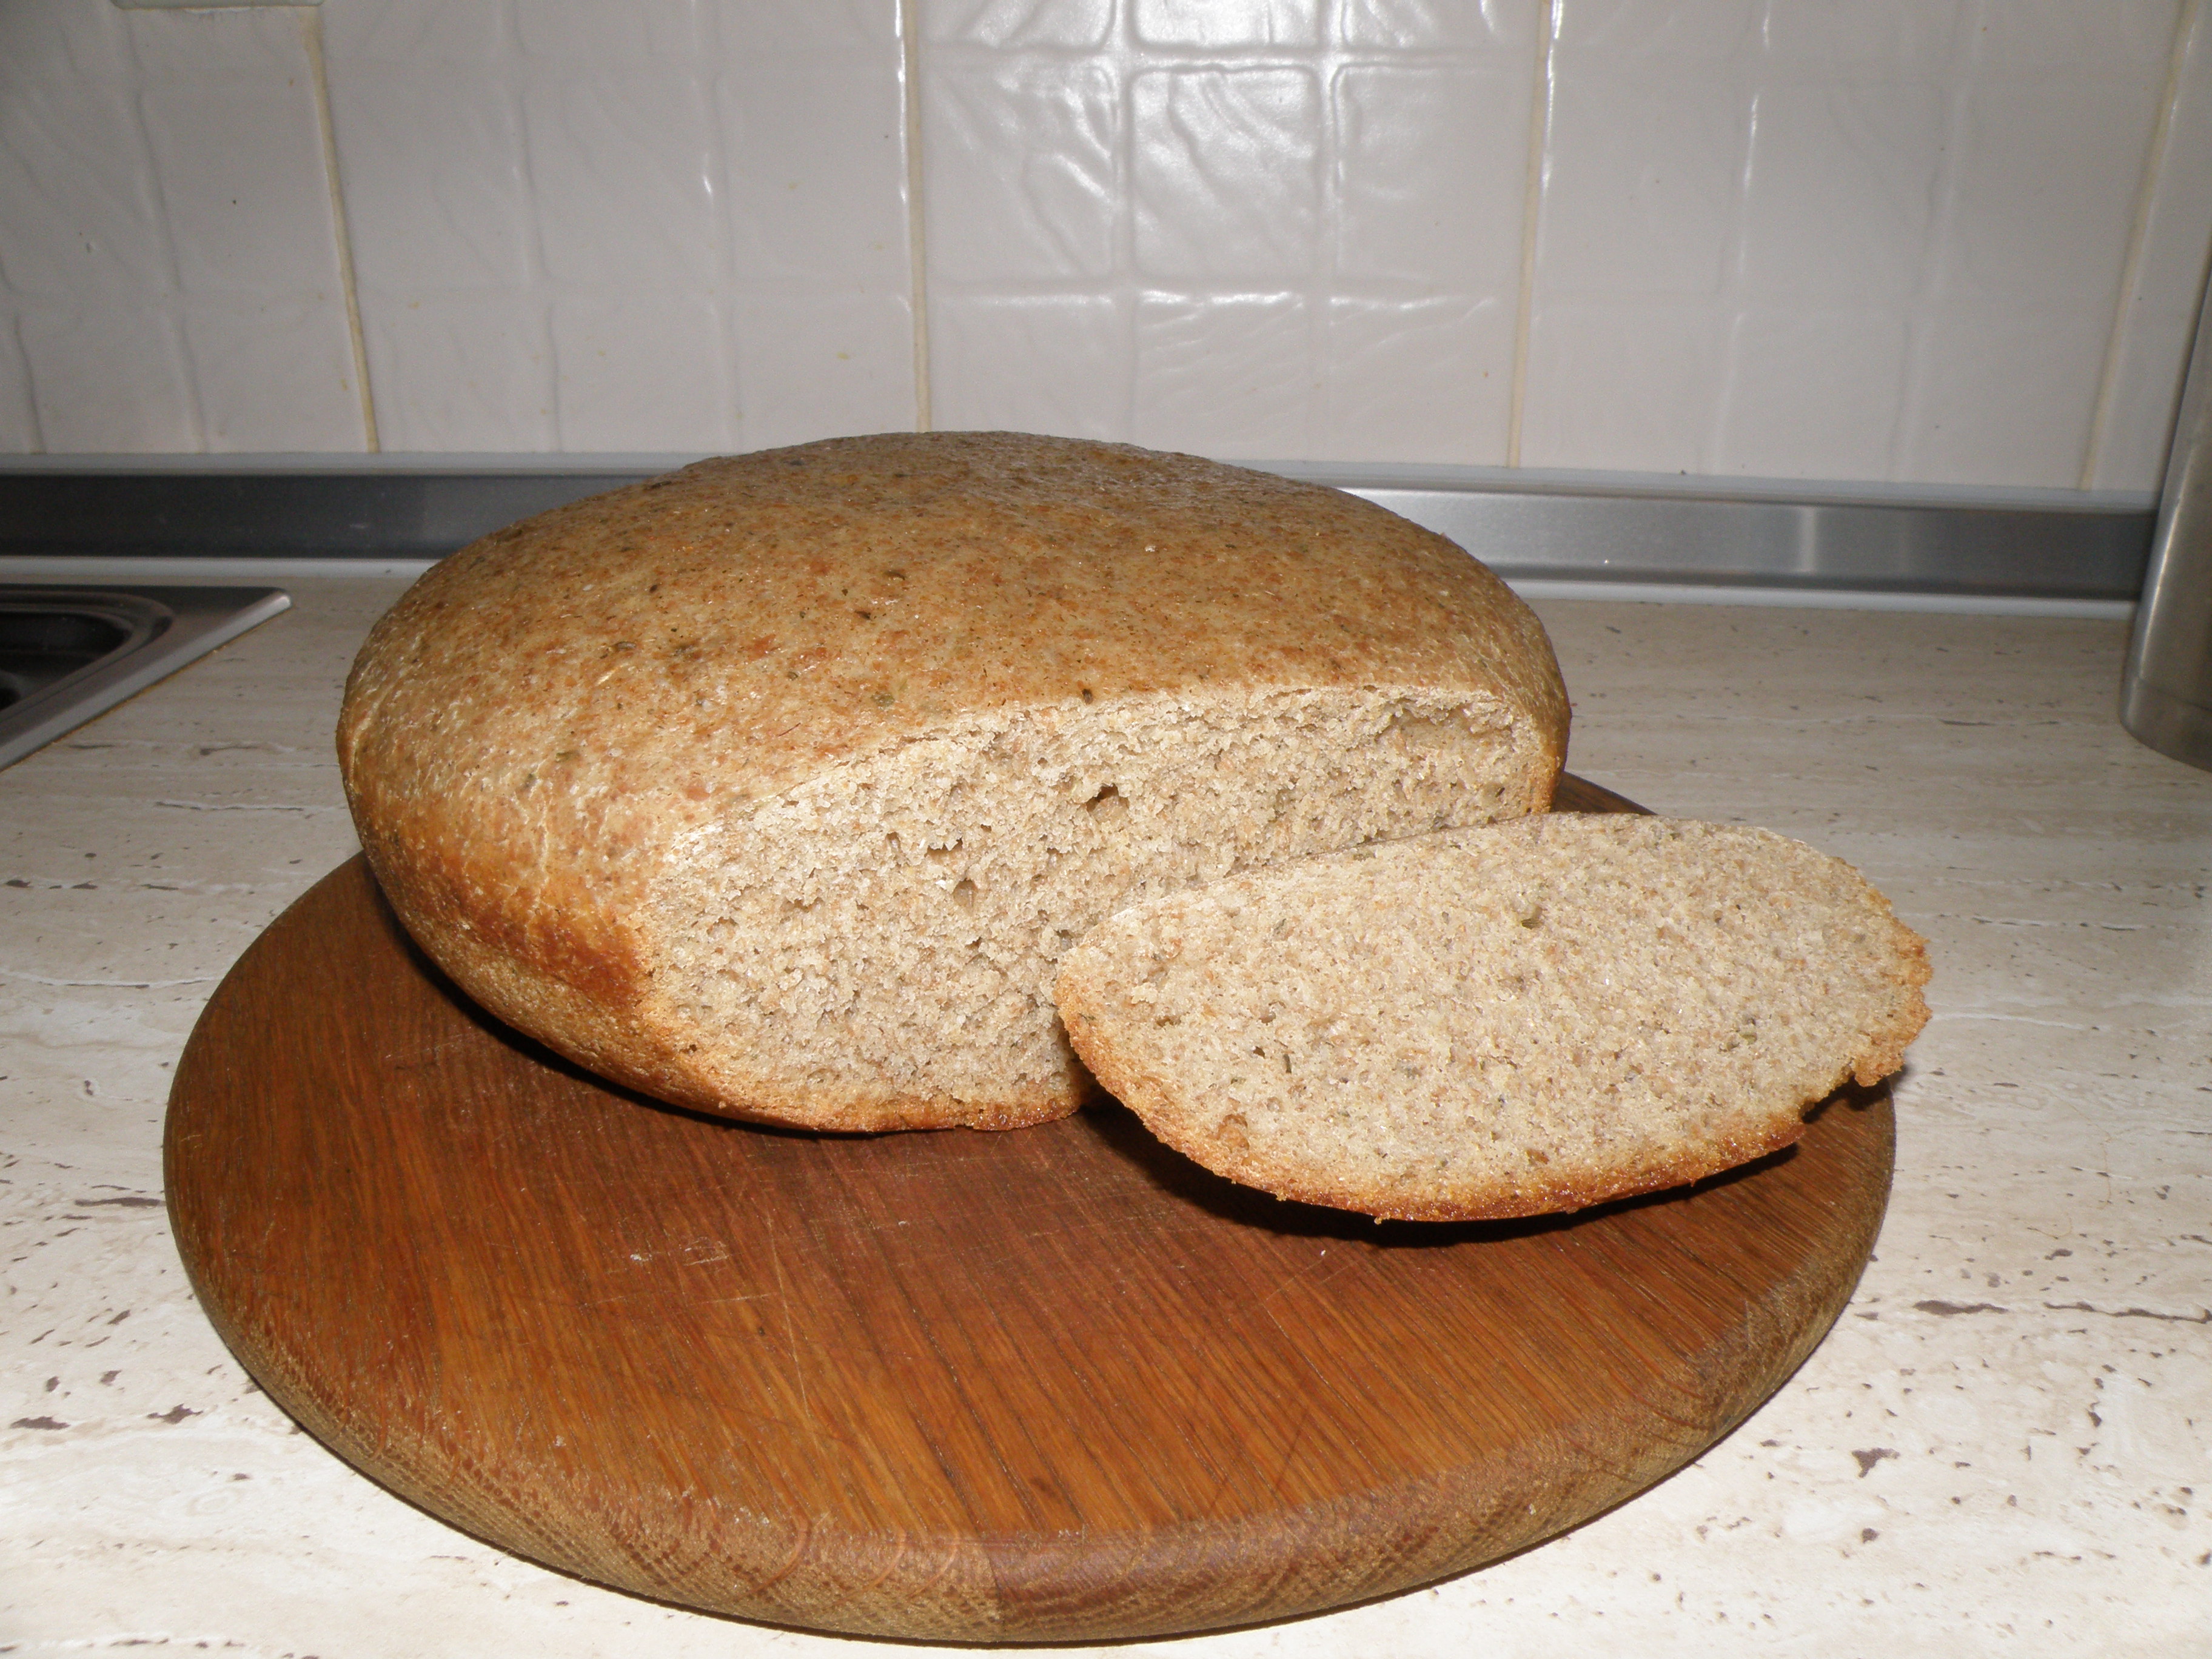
(1734, 286)
(1323, 278)
(917, 247)
(311, 33)
(13, 320)
(2154, 160)
(1933, 272)
(1532, 196)
(151, 180)
(733, 385)
(1129, 287)
(537, 266)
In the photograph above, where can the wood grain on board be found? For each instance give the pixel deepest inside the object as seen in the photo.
(1054, 1384)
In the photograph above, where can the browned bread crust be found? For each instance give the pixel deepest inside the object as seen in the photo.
(1525, 1018)
(556, 744)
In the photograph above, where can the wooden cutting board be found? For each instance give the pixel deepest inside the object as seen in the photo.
(1055, 1384)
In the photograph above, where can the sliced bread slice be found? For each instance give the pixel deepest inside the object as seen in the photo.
(1527, 1018)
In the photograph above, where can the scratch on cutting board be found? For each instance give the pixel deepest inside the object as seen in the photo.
(1318, 1265)
(422, 1056)
(790, 1329)
(1289, 1453)
(653, 1296)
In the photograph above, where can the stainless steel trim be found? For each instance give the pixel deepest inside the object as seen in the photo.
(1538, 590)
(2174, 727)
(1928, 548)
(93, 572)
(1778, 534)
(2166, 689)
(166, 514)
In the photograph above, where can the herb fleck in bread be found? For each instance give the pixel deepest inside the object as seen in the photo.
(778, 786)
(1528, 1017)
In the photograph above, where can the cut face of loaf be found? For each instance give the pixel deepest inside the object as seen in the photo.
(779, 787)
(1508, 1021)
(901, 918)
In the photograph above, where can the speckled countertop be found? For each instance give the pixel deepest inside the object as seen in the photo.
(2005, 1446)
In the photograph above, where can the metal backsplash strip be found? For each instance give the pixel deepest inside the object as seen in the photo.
(2050, 545)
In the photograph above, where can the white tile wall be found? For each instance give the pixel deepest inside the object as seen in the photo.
(1956, 242)
(2159, 295)
(1285, 228)
(2052, 124)
(617, 226)
(1412, 378)
(169, 265)
(1231, 373)
(1793, 239)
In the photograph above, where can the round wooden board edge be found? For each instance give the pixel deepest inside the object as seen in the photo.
(284, 1379)
(1007, 1622)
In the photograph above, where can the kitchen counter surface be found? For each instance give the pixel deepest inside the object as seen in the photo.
(2005, 1445)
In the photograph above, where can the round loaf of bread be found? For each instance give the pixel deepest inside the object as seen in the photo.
(778, 786)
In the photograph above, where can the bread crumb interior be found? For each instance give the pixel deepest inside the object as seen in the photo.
(892, 927)
(1537, 1008)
